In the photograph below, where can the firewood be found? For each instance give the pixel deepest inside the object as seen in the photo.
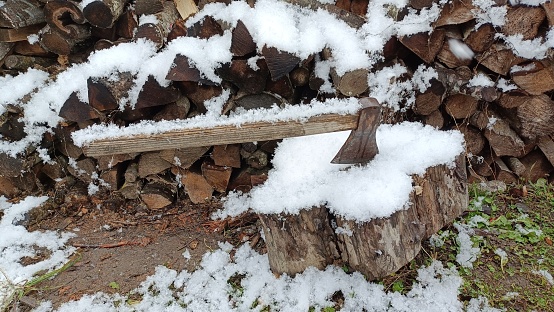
(435, 119)
(425, 46)
(549, 11)
(537, 80)
(503, 173)
(480, 120)
(181, 70)
(156, 195)
(353, 20)
(64, 144)
(75, 110)
(460, 106)
(281, 87)
(11, 128)
(455, 12)
(131, 172)
(147, 7)
(534, 117)
(253, 101)
(197, 187)
(177, 30)
(186, 8)
(183, 158)
(8, 188)
(104, 33)
(248, 80)
(481, 39)
(512, 99)
(546, 145)
(109, 161)
(475, 141)
(537, 166)
(104, 13)
(55, 42)
(83, 169)
(352, 83)
(172, 111)
(523, 20)
(152, 163)
(110, 178)
(257, 160)
(56, 169)
(241, 41)
(504, 140)
(300, 76)
(482, 166)
(22, 63)
(430, 100)
(451, 59)
(100, 97)
(158, 32)
(453, 80)
(217, 176)
(499, 58)
(421, 4)
(280, 63)
(516, 166)
(28, 49)
(205, 28)
(62, 16)
(18, 34)
(20, 13)
(359, 7)
(241, 181)
(227, 155)
(13, 167)
(153, 94)
(127, 24)
(5, 49)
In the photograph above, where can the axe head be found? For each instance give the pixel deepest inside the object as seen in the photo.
(361, 145)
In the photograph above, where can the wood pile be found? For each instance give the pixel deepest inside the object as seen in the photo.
(508, 132)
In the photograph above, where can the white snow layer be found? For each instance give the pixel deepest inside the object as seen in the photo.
(303, 176)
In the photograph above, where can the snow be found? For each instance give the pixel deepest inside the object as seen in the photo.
(303, 176)
(547, 276)
(536, 48)
(487, 11)
(460, 49)
(480, 80)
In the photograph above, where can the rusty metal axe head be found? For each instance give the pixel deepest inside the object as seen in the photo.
(361, 145)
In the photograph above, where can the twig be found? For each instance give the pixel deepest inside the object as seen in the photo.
(141, 242)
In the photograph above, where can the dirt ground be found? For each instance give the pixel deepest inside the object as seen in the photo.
(121, 243)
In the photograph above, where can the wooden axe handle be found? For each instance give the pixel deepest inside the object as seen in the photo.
(361, 145)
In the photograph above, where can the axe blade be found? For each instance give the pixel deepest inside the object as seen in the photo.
(361, 145)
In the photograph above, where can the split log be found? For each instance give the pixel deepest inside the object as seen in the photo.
(534, 117)
(516, 166)
(241, 181)
(456, 12)
(247, 79)
(132, 186)
(421, 4)
(29, 49)
(429, 101)
(173, 111)
(157, 32)
(475, 141)
(241, 41)
(13, 167)
(153, 94)
(197, 187)
(425, 46)
(503, 140)
(55, 42)
(11, 128)
(5, 49)
(76, 110)
(483, 165)
(182, 70)
(549, 11)
(281, 87)
(110, 178)
(279, 63)
(183, 158)
(523, 20)
(104, 13)
(152, 163)
(537, 80)
(352, 83)
(62, 15)
(83, 169)
(254, 101)
(127, 24)
(18, 34)
(217, 176)
(20, 13)
(205, 28)
(435, 119)
(451, 59)
(64, 144)
(227, 155)
(199, 93)
(503, 173)
(110, 161)
(499, 58)
(156, 195)
(353, 20)
(481, 39)
(376, 248)
(537, 166)
(22, 63)
(186, 8)
(460, 106)
(147, 7)
(100, 97)
(546, 145)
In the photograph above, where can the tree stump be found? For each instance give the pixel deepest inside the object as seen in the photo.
(377, 248)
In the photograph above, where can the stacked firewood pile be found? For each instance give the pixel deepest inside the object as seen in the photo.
(507, 122)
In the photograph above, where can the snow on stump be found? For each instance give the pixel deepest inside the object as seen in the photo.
(371, 217)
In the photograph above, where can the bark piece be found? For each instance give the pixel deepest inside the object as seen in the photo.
(424, 45)
(537, 80)
(503, 140)
(147, 7)
(537, 166)
(197, 187)
(352, 83)
(205, 28)
(75, 110)
(523, 20)
(153, 94)
(217, 176)
(280, 63)
(20, 13)
(184, 158)
(62, 16)
(241, 41)
(152, 163)
(455, 12)
(158, 32)
(429, 101)
(499, 58)
(22, 63)
(460, 106)
(18, 34)
(227, 155)
(104, 13)
(481, 39)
